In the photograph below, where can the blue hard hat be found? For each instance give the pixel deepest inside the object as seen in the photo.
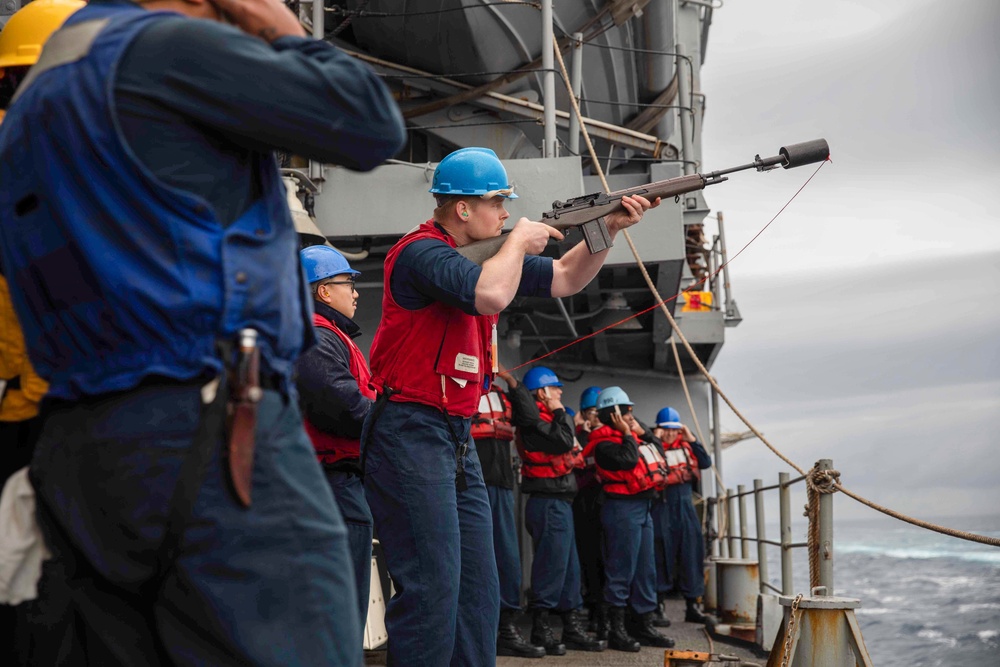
(539, 377)
(322, 261)
(612, 396)
(668, 418)
(588, 399)
(472, 171)
(570, 411)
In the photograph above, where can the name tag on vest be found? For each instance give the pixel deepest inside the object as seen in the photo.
(466, 363)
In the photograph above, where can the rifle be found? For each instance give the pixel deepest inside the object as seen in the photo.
(587, 212)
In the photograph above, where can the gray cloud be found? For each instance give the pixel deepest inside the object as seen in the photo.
(893, 372)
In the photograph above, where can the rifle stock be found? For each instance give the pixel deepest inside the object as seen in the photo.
(588, 211)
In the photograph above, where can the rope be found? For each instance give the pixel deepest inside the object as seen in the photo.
(814, 487)
(944, 530)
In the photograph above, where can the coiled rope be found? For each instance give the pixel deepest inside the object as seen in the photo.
(817, 484)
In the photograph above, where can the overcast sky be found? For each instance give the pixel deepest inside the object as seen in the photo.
(872, 305)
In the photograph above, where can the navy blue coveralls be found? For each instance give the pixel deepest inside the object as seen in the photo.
(629, 568)
(144, 220)
(548, 514)
(330, 400)
(438, 542)
(680, 547)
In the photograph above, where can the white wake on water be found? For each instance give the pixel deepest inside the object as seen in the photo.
(921, 553)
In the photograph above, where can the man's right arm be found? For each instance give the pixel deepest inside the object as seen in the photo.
(612, 456)
(538, 435)
(295, 94)
(501, 275)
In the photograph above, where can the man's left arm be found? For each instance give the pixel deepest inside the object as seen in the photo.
(574, 270)
(329, 394)
(704, 460)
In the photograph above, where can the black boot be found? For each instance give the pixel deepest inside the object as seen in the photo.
(694, 614)
(510, 641)
(659, 618)
(643, 630)
(618, 638)
(600, 621)
(575, 638)
(541, 633)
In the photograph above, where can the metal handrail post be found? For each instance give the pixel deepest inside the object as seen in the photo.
(758, 502)
(731, 518)
(785, 508)
(744, 542)
(826, 533)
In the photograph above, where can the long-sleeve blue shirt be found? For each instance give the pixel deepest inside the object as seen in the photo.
(198, 101)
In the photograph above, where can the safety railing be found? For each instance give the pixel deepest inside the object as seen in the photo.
(735, 538)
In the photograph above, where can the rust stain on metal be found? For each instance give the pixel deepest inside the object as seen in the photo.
(825, 629)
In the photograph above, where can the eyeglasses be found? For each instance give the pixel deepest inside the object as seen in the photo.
(350, 282)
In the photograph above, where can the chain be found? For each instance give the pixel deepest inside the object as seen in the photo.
(790, 630)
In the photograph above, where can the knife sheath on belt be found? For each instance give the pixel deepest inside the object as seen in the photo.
(246, 393)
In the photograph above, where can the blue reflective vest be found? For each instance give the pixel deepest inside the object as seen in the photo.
(116, 275)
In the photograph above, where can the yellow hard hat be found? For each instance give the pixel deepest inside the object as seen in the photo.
(22, 38)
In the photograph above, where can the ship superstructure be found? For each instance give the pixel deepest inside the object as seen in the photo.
(470, 73)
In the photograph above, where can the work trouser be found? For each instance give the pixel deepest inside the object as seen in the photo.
(350, 496)
(628, 554)
(438, 541)
(505, 546)
(680, 548)
(587, 527)
(555, 568)
(266, 585)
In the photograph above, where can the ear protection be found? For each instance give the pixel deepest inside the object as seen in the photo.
(465, 214)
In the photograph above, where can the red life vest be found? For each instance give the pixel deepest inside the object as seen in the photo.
(331, 448)
(681, 462)
(588, 450)
(436, 355)
(649, 473)
(493, 418)
(542, 464)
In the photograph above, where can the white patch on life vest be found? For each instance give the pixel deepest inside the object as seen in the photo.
(676, 457)
(650, 453)
(459, 382)
(466, 363)
(484, 404)
(495, 403)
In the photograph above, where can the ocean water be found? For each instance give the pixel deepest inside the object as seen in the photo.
(928, 600)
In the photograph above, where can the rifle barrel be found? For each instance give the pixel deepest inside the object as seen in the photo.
(571, 214)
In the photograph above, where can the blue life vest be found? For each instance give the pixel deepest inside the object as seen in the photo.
(116, 275)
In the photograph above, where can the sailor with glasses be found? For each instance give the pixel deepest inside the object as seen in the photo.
(332, 379)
